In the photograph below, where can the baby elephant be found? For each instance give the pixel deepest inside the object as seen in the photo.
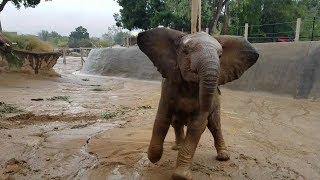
(193, 66)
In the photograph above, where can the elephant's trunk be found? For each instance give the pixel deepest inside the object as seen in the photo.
(209, 68)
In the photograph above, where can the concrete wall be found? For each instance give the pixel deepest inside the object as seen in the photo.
(279, 69)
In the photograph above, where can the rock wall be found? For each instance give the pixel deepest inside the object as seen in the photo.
(283, 68)
(120, 61)
(280, 69)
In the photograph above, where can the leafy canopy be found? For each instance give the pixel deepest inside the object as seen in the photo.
(176, 14)
(19, 3)
(79, 38)
(25, 3)
(54, 38)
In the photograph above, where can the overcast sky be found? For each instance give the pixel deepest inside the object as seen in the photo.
(62, 16)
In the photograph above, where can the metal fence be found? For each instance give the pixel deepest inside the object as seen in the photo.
(282, 32)
(310, 30)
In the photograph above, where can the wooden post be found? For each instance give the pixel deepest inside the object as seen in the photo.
(298, 26)
(81, 53)
(64, 56)
(196, 16)
(127, 41)
(246, 31)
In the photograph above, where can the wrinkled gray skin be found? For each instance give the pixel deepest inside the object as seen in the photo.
(192, 66)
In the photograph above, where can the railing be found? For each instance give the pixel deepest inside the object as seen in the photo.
(300, 30)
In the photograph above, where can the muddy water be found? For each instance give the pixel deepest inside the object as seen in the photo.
(103, 131)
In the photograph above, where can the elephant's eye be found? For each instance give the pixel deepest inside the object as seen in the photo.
(219, 56)
(185, 51)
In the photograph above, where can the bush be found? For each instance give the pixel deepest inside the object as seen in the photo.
(29, 42)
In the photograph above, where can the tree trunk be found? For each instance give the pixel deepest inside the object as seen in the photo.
(218, 8)
(225, 29)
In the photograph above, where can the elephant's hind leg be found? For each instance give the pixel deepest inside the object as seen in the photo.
(178, 126)
(214, 126)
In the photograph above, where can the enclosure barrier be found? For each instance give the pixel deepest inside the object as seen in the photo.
(299, 30)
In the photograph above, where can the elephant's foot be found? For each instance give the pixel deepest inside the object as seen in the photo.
(223, 155)
(155, 153)
(182, 173)
(176, 147)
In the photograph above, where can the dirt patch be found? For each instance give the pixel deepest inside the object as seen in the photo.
(31, 118)
(14, 166)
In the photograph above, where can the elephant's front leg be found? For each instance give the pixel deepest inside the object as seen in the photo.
(159, 132)
(214, 126)
(178, 126)
(195, 129)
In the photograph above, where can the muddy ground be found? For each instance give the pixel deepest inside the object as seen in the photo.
(92, 127)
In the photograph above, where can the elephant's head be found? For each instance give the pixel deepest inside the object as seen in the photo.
(209, 61)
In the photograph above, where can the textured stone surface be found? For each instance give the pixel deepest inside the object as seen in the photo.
(279, 69)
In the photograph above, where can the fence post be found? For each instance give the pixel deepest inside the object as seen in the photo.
(273, 33)
(81, 53)
(298, 26)
(313, 24)
(64, 55)
(207, 30)
(246, 31)
(127, 42)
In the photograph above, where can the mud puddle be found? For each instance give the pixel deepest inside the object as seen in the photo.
(54, 149)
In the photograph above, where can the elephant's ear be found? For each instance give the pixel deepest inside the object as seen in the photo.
(160, 45)
(238, 55)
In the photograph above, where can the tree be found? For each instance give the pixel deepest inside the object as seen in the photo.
(44, 35)
(18, 4)
(133, 15)
(220, 15)
(100, 42)
(54, 38)
(79, 38)
(145, 14)
(116, 35)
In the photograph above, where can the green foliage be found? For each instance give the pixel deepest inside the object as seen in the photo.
(54, 38)
(264, 14)
(79, 38)
(145, 14)
(116, 35)
(134, 14)
(19, 3)
(101, 42)
(29, 42)
(25, 3)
